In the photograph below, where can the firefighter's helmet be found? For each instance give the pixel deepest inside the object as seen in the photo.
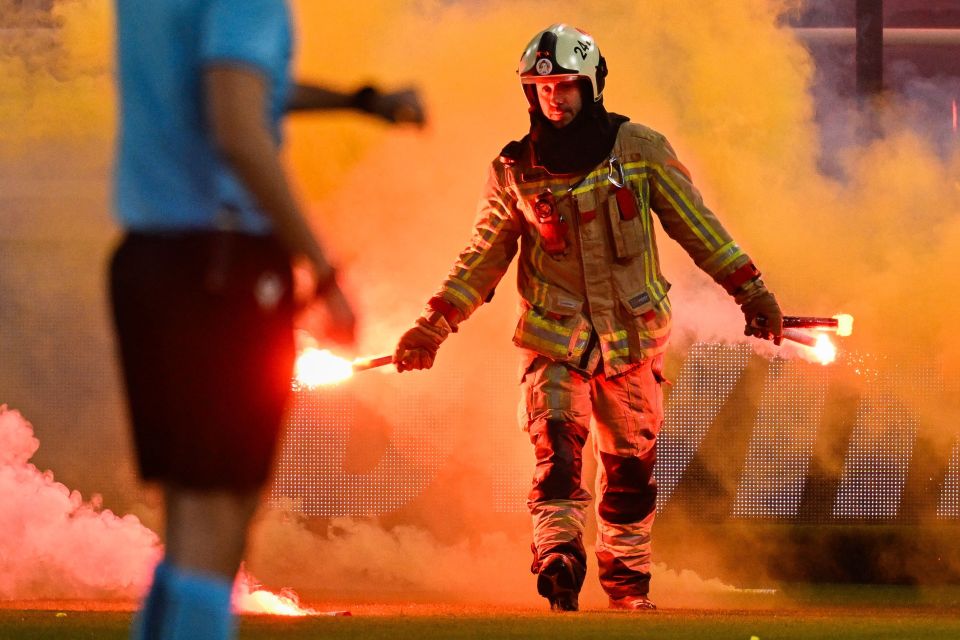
(561, 52)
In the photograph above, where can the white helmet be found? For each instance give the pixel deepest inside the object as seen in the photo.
(561, 52)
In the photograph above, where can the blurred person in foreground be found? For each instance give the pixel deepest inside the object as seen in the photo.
(202, 285)
(576, 196)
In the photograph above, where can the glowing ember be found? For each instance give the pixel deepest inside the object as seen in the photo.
(265, 602)
(844, 324)
(825, 350)
(249, 598)
(316, 367)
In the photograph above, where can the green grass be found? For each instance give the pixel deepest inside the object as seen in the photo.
(675, 625)
(801, 613)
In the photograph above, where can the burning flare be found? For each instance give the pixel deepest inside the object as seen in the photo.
(811, 332)
(266, 602)
(825, 350)
(316, 367)
(844, 324)
(250, 598)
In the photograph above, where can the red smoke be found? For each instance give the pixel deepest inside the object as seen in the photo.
(54, 544)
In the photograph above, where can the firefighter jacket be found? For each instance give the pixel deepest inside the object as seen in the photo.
(589, 274)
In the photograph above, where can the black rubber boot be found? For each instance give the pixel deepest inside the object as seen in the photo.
(557, 582)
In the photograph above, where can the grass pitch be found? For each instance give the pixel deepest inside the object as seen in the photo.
(877, 613)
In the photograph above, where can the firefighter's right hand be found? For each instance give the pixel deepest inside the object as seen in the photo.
(417, 348)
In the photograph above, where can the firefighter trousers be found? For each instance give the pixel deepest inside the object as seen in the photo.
(559, 408)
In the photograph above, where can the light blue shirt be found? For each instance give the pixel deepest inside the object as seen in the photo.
(169, 175)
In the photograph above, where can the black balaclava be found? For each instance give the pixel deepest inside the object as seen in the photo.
(581, 145)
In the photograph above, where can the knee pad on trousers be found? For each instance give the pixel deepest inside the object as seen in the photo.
(631, 491)
(559, 451)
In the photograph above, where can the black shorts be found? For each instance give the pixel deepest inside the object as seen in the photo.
(205, 329)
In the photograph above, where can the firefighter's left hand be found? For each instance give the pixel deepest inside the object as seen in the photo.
(763, 316)
(417, 348)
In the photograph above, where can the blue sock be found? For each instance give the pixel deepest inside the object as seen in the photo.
(149, 619)
(184, 605)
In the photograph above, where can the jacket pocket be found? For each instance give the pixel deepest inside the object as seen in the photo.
(624, 215)
(640, 303)
(649, 320)
(558, 330)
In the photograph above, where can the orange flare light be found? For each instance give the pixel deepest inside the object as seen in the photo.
(266, 602)
(317, 367)
(844, 324)
(825, 350)
(249, 598)
(818, 345)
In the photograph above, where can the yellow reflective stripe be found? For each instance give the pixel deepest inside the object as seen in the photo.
(618, 353)
(539, 293)
(537, 256)
(647, 223)
(582, 340)
(656, 333)
(545, 335)
(665, 301)
(472, 258)
(459, 296)
(641, 165)
(618, 344)
(559, 187)
(544, 346)
(549, 325)
(591, 181)
(722, 257)
(615, 337)
(463, 292)
(659, 291)
(718, 254)
(486, 234)
(682, 204)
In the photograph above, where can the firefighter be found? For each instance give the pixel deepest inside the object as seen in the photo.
(577, 196)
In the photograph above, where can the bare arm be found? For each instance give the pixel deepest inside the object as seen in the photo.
(402, 106)
(236, 104)
(306, 97)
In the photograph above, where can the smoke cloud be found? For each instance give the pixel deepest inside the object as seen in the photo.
(56, 545)
(725, 82)
(363, 562)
